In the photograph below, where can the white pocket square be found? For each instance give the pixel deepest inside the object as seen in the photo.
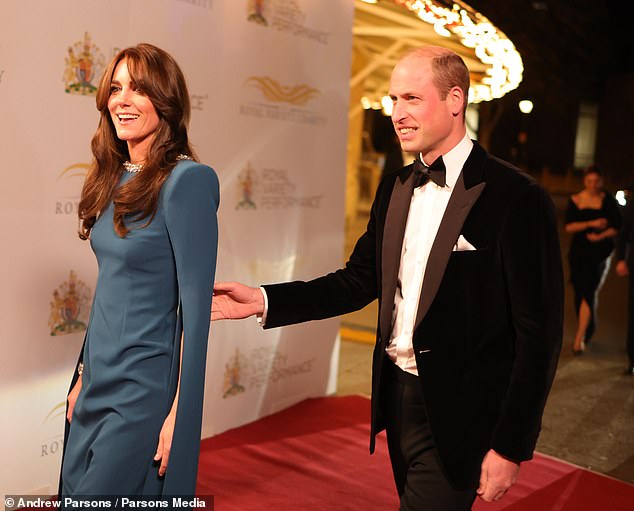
(463, 245)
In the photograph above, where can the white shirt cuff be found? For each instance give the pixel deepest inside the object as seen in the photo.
(261, 319)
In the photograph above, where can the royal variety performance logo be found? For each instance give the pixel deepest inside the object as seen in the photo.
(297, 95)
(285, 16)
(278, 102)
(71, 179)
(256, 12)
(84, 65)
(246, 182)
(259, 367)
(51, 444)
(198, 101)
(271, 188)
(69, 307)
(233, 375)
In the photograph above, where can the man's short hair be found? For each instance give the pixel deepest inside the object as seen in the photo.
(448, 68)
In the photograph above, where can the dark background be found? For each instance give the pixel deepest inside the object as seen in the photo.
(573, 51)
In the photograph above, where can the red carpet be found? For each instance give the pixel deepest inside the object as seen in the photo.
(314, 456)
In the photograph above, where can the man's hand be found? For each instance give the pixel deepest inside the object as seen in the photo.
(233, 300)
(621, 269)
(497, 475)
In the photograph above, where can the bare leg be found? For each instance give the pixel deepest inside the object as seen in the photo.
(585, 314)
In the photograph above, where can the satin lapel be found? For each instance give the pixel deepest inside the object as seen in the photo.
(460, 203)
(393, 233)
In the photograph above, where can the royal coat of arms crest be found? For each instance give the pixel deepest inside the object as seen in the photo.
(84, 64)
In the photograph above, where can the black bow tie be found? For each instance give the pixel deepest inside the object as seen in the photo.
(436, 172)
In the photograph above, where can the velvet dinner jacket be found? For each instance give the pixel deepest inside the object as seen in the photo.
(489, 324)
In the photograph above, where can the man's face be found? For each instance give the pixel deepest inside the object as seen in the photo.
(423, 121)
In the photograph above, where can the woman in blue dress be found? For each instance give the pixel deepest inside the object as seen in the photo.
(149, 209)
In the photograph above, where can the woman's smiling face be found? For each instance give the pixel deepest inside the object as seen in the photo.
(133, 114)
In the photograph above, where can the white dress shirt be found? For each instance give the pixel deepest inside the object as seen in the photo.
(428, 202)
(426, 210)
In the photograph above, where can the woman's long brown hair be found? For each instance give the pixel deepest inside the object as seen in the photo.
(157, 75)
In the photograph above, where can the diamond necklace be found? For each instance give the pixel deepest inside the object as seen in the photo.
(138, 167)
(132, 167)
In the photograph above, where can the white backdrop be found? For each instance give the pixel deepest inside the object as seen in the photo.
(269, 87)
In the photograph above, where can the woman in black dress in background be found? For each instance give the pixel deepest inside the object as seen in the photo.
(593, 218)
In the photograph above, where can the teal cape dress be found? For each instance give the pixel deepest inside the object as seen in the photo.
(153, 285)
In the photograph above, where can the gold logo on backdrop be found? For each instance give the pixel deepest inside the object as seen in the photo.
(55, 412)
(247, 180)
(51, 438)
(69, 307)
(273, 91)
(75, 170)
(84, 65)
(255, 12)
(233, 376)
(70, 181)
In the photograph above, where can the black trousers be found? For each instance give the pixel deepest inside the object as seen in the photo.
(418, 474)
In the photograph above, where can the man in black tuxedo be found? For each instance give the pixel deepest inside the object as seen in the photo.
(464, 258)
